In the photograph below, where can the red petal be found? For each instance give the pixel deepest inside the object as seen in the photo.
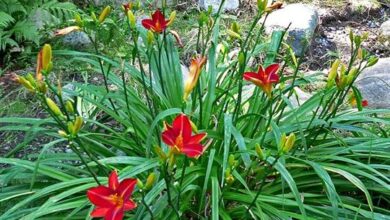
(168, 137)
(129, 205)
(183, 125)
(261, 72)
(113, 182)
(99, 212)
(196, 139)
(158, 16)
(192, 150)
(114, 214)
(251, 75)
(274, 78)
(148, 24)
(271, 69)
(100, 196)
(126, 188)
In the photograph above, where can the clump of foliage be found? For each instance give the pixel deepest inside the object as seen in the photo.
(18, 25)
(221, 141)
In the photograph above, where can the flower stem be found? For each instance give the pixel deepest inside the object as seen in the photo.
(147, 206)
(181, 181)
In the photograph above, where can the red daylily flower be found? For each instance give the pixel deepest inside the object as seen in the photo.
(157, 24)
(111, 202)
(264, 78)
(364, 103)
(179, 137)
(127, 6)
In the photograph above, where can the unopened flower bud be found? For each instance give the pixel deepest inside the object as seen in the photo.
(372, 61)
(150, 181)
(261, 5)
(259, 152)
(53, 107)
(69, 107)
(104, 14)
(150, 37)
(232, 161)
(42, 87)
(78, 20)
(289, 143)
(62, 133)
(233, 34)
(160, 153)
(25, 83)
(132, 19)
(241, 58)
(140, 185)
(78, 123)
(93, 16)
(333, 73)
(171, 18)
(46, 58)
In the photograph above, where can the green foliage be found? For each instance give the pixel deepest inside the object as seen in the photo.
(336, 167)
(18, 20)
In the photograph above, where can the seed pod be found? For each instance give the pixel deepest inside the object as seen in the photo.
(104, 14)
(53, 107)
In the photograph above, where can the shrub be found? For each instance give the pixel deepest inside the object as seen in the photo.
(222, 141)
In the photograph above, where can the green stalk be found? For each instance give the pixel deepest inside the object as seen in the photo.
(181, 181)
(167, 184)
(147, 206)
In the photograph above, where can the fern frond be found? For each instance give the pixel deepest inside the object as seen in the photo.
(60, 10)
(5, 19)
(6, 40)
(12, 6)
(26, 30)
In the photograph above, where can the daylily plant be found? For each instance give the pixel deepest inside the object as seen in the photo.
(157, 24)
(111, 202)
(179, 137)
(264, 78)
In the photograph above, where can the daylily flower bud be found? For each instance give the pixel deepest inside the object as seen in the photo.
(195, 70)
(59, 88)
(62, 133)
(150, 181)
(30, 79)
(232, 161)
(202, 19)
(78, 123)
(351, 35)
(194, 127)
(241, 58)
(211, 22)
(104, 14)
(150, 37)
(93, 16)
(352, 75)
(360, 54)
(358, 41)
(42, 87)
(259, 152)
(160, 153)
(333, 73)
(70, 126)
(372, 61)
(53, 107)
(69, 107)
(132, 19)
(46, 58)
(289, 143)
(261, 5)
(233, 34)
(235, 27)
(228, 176)
(283, 140)
(171, 18)
(172, 160)
(78, 20)
(25, 83)
(140, 185)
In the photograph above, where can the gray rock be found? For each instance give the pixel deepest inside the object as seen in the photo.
(303, 19)
(229, 5)
(360, 6)
(385, 29)
(77, 40)
(299, 97)
(374, 84)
